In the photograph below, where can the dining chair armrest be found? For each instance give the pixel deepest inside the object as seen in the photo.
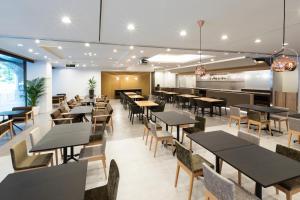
(61, 119)
(97, 116)
(7, 122)
(66, 113)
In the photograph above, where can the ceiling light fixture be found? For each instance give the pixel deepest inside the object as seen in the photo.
(59, 47)
(200, 70)
(131, 27)
(37, 41)
(66, 20)
(168, 50)
(212, 60)
(19, 45)
(84, 65)
(183, 33)
(141, 51)
(115, 50)
(257, 41)
(95, 54)
(45, 57)
(282, 62)
(36, 53)
(87, 44)
(133, 57)
(224, 37)
(131, 47)
(30, 50)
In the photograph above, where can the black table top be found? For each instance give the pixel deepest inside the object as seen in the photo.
(173, 118)
(218, 140)
(81, 110)
(265, 109)
(261, 165)
(63, 182)
(11, 113)
(65, 135)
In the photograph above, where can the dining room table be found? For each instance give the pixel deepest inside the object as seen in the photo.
(64, 136)
(60, 182)
(263, 166)
(10, 114)
(146, 104)
(82, 110)
(211, 102)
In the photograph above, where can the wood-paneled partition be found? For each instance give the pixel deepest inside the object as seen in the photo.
(111, 81)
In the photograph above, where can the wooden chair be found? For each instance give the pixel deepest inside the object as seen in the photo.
(108, 191)
(289, 187)
(95, 153)
(218, 187)
(22, 161)
(99, 117)
(24, 117)
(280, 117)
(199, 126)
(294, 129)
(110, 111)
(35, 136)
(6, 127)
(147, 128)
(58, 118)
(235, 114)
(191, 164)
(159, 136)
(255, 118)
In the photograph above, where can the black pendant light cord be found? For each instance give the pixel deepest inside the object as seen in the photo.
(283, 35)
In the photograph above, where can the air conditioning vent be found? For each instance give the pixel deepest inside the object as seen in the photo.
(143, 61)
(70, 65)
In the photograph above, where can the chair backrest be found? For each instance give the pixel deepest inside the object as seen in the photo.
(184, 155)
(152, 127)
(109, 108)
(5, 126)
(249, 137)
(113, 180)
(56, 114)
(294, 124)
(201, 123)
(18, 153)
(219, 186)
(35, 136)
(254, 115)
(288, 152)
(234, 111)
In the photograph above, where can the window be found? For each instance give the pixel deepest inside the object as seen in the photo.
(12, 88)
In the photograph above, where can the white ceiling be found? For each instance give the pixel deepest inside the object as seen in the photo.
(158, 23)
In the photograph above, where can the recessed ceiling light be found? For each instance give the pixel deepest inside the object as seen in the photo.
(36, 53)
(182, 33)
(257, 41)
(115, 50)
(128, 60)
(141, 51)
(152, 65)
(77, 65)
(133, 57)
(87, 44)
(226, 53)
(37, 41)
(66, 20)
(110, 58)
(198, 51)
(59, 47)
(30, 50)
(130, 27)
(285, 44)
(45, 57)
(212, 60)
(19, 45)
(69, 56)
(168, 50)
(84, 65)
(85, 54)
(224, 37)
(131, 47)
(95, 54)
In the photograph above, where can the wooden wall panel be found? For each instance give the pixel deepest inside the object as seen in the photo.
(111, 81)
(286, 99)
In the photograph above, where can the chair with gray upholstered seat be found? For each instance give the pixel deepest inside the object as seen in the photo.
(280, 117)
(218, 187)
(235, 114)
(147, 128)
(159, 136)
(22, 161)
(294, 129)
(191, 163)
(257, 119)
(198, 127)
(95, 153)
(108, 191)
(289, 187)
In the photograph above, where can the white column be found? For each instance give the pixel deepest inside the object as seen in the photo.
(42, 69)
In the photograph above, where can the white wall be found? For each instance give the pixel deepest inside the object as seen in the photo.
(75, 81)
(186, 81)
(286, 81)
(41, 69)
(165, 79)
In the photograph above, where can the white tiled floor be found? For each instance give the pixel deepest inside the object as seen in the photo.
(142, 176)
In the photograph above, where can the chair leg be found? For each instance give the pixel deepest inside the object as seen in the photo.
(155, 148)
(229, 122)
(239, 178)
(144, 132)
(191, 145)
(288, 196)
(177, 174)
(274, 123)
(248, 127)
(259, 130)
(104, 167)
(151, 143)
(239, 124)
(147, 135)
(182, 136)
(191, 186)
(277, 191)
(56, 156)
(287, 124)
(279, 126)
(289, 138)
